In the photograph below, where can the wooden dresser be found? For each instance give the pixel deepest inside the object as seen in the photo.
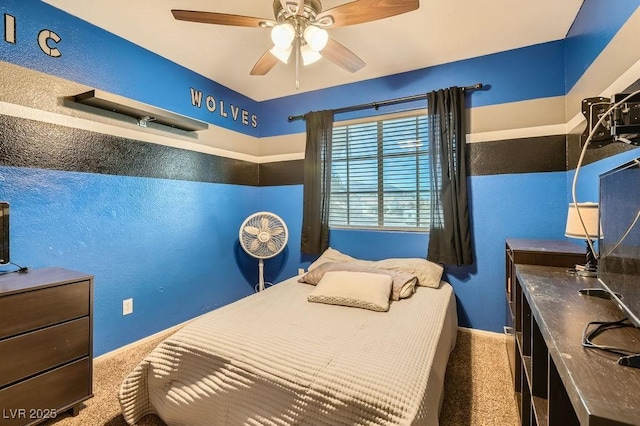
(46, 344)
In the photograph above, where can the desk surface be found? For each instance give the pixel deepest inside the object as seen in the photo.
(599, 388)
(550, 246)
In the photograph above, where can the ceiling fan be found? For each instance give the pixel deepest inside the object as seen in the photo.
(300, 26)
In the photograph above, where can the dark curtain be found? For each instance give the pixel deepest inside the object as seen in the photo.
(317, 182)
(450, 232)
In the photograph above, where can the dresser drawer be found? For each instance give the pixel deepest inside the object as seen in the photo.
(34, 309)
(29, 401)
(28, 354)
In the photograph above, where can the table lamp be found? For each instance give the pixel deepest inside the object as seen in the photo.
(585, 229)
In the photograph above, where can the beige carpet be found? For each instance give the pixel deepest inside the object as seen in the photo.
(478, 388)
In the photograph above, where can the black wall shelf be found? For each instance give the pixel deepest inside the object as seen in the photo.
(142, 112)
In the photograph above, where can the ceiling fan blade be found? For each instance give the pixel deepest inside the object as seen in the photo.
(360, 11)
(219, 18)
(264, 64)
(340, 55)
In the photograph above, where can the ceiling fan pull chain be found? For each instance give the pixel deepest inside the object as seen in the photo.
(297, 63)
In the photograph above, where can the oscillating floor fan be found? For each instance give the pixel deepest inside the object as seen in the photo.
(263, 235)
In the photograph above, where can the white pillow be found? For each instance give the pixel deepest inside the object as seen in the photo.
(357, 289)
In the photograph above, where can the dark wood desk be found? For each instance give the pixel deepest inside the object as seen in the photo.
(566, 383)
(531, 252)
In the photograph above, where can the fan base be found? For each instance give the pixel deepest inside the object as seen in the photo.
(257, 286)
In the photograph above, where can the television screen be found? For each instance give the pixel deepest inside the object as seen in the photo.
(619, 240)
(4, 233)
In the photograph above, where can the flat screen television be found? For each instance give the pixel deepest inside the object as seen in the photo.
(619, 239)
(4, 233)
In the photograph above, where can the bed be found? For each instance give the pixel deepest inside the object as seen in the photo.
(274, 358)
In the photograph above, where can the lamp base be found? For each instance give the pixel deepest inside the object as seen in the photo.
(585, 271)
(590, 268)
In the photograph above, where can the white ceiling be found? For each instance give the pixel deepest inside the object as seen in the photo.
(440, 31)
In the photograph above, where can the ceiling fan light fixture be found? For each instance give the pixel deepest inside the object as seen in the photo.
(282, 35)
(291, 7)
(281, 54)
(301, 25)
(316, 37)
(309, 55)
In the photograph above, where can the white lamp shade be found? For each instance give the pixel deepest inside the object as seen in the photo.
(282, 35)
(589, 214)
(309, 56)
(281, 54)
(316, 37)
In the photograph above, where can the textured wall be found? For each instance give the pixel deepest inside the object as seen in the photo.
(159, 224)
(529, 73)
(519, 185)
(155, 223)
(101, 60)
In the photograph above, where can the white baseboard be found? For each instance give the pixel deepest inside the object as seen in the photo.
(485, 333)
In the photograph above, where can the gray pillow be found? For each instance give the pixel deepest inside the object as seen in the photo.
(429, 274)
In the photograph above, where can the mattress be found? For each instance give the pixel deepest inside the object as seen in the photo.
(273, 358)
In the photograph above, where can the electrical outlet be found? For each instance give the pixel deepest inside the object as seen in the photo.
(127, 306)
(300, 271)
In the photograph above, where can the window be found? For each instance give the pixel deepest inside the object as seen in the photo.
(380, 175)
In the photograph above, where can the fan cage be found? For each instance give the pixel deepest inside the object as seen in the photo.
(269, 240)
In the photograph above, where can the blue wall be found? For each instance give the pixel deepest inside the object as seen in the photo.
(172, 245)
(101, 60)
(531, 205)
(528, 205)
(587, 186)
(594, 27)
(159, 241)
(516, 75)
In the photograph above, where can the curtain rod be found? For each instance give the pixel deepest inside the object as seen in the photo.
(377, 105)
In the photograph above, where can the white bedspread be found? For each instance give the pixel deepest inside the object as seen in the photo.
(274, 358)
